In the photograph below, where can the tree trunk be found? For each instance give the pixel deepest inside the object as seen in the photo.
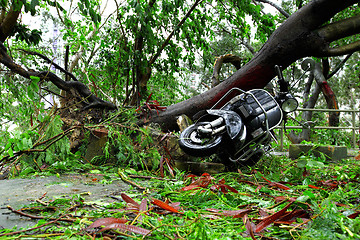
(8, 23)
(301, 35)
(334, 117)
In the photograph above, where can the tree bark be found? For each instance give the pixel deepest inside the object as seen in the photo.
(228, 58)
(334, 117)
(8, 23)
(303, 34)
(89, 99)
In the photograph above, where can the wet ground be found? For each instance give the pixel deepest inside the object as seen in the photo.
(19, 192)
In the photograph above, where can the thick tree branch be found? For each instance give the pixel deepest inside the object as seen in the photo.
(9, 22)
(340, 29)
(91, 100)
(82, 89)
(294, 39)
(346, 49)
(228, 58)
(50, 62)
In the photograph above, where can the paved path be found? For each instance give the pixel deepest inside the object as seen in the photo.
(19, 192)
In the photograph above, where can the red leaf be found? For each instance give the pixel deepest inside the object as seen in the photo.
(354, 215)
(175, 205)
(341, 205)
(231, 189)
(106, 221)
(142, 208)
(164, 206)
(148, 106)
(212, 217)
(124, 227)
(215, 187)
(314, 187)
(163, 137)
(290, 217)
(282, 198)
(171, 170)
(222, 181)
(279, 185)
(128, 199)
(203, 181)
(143, 205)
(233, 213)
(272, 218)
(223, 189)
(263, 213)
(249, 226)
(191, 175)
(258, 188)
(168, 153)
(148, 98)
(265, 179)
(305, 173)
(190, 187)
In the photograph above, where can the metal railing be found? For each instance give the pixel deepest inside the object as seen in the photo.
(353, 126)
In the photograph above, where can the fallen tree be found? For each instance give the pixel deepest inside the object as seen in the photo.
(308, 32)
(305, 33)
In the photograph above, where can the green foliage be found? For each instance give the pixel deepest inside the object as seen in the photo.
(328, 206)
(88, 8)
(133, 147)
(23, 33)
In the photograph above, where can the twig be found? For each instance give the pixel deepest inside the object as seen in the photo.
(52, 139)
(150, 177)
(305, 222)
(50, 62)
(124, 178)
(38, 217)
(34, 228)
(170, 226)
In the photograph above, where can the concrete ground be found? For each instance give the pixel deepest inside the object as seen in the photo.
(20, 192)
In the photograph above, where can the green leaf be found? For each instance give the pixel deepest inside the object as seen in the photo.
(33, 4)
(35, 78)
(8, 145)
(10, 152)
(87, 3)
(303, 198)
(309, 194)
(301, 163)
(315, 164)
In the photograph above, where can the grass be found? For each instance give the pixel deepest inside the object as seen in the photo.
(307, 198)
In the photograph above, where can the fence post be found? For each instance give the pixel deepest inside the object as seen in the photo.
(282, 139)
(353, 128)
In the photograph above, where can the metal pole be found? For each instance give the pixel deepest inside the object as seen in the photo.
(353, 129)
(282, 139)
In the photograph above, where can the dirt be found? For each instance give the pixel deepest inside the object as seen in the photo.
(19, 192)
